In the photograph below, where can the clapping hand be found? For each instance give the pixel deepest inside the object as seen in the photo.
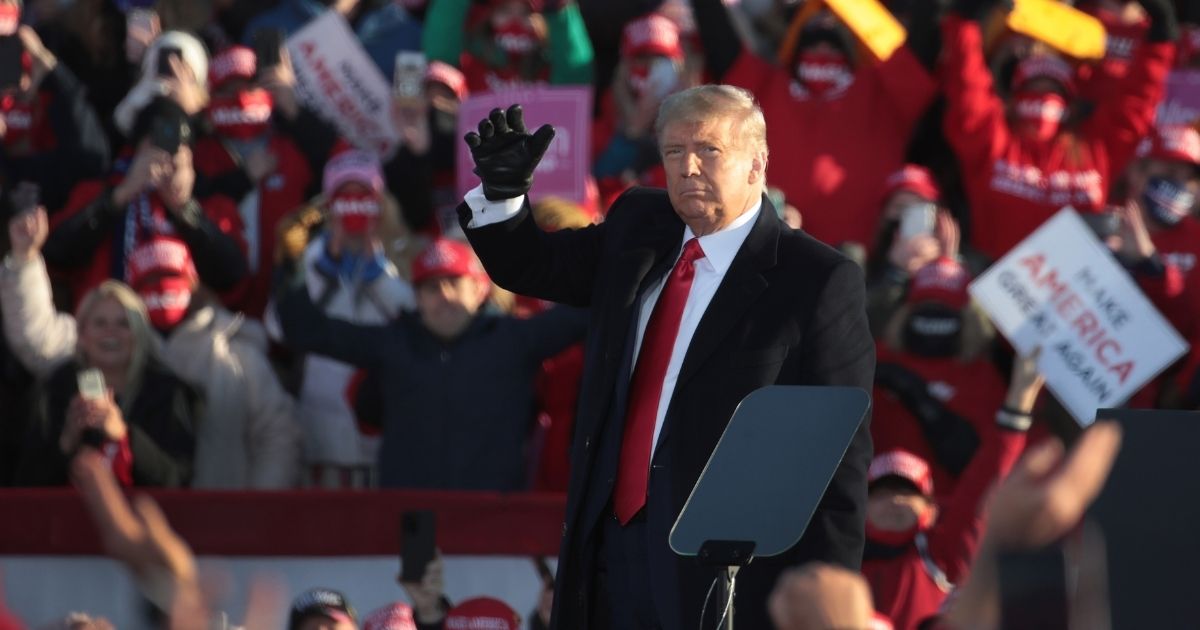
(506, 154)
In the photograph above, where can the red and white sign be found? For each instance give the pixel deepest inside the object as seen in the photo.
(1063, 290)
(336, 78)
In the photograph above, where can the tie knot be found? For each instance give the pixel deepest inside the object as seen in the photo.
(691, 252)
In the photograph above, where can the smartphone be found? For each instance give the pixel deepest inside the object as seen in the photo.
(663, 77)
(25, 197)
(268, 42)
(408, 81)
(918, 220)
(418, 544)
(169, 132)
(10, 61)
(164, 60)
(91, 384)
(1033, 589)
(1103, 224)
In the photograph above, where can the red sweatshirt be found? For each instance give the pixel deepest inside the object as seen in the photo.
(972, 390)
(903, 586)
(1014, 183)
(831, 156)
(279, 193)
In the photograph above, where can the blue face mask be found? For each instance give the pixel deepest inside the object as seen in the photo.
(1167, 201)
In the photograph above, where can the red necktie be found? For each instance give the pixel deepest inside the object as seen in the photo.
(646, 389)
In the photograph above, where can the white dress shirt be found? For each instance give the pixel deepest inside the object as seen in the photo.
(719, 250)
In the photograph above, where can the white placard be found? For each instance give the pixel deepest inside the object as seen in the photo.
(337, 79)
(1062, 289)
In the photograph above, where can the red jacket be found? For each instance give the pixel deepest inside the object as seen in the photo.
(831, 156)
(972, 390)
(278, 194)
(1014, 184)
(903, 586)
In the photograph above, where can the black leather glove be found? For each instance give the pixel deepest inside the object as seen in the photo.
(505, 154)
(979, 9)
(1164, 27)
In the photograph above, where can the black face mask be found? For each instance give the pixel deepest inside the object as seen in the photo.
(933, 331)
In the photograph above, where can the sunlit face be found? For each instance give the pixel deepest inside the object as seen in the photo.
(895, 509)
(104, 336)
(448, 303)
(712, 177)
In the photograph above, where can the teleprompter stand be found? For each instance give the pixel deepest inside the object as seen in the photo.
(765, 478)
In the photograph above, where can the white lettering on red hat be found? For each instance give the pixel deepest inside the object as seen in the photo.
(238, 62)
(250, 114)
(477, 623)
(653, 34)
(944, 274)
(160, 254)
(344, 207)
(902, 464)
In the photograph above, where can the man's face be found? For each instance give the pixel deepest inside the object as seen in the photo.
(447, 303)
(712, 178)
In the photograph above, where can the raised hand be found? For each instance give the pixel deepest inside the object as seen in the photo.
(27, 233)
(506, 154)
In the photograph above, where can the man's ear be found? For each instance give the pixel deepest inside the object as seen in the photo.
(758, 167)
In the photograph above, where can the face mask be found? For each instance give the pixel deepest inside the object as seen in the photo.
(659, 77)
(933, 331)
(1166, 201)
(356, 212)
(515, 37)
(17, 114)
(1040, 115)
(823, 72)
(243, 115)
(167, 300)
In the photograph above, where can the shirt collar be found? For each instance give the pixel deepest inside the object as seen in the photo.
(721, 246)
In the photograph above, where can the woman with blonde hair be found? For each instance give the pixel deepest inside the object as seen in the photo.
(142, 419)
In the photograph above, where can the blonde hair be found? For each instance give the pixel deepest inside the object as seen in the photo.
(145, 340)
(706, 102)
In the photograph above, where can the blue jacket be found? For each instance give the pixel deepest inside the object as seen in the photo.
(383, 31)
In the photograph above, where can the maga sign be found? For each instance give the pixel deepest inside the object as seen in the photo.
(563, 170)
(1063, 290)
(336, 78)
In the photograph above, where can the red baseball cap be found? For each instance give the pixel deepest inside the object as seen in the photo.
(235, 62)
(1172, 143)
(397, 616)
(446, 257)
(915, 179)
(482, 613)
(651, 34)
(943, 281)
(904, 465)
(449, 76)
(1044, 66)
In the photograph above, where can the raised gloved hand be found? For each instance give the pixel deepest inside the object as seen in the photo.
(1164, 27)
(506, 154)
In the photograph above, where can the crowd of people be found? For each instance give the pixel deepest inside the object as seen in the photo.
(267, 306)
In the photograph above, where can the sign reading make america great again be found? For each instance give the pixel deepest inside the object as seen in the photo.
(1063, 290)
(339, 81)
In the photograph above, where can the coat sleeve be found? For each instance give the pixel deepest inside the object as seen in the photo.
(213, 233)
(840, 351)
(272, 436)
(552, 331)
(974, 123)
(168, 463)
(953, 542)
(307, 329)
(559, 266)
(1122, 119)
(443, 35)
(78, 230)
(39, 336)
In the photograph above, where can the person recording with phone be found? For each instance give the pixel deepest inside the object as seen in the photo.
(149, 193)
(49, 135)
(105, 386)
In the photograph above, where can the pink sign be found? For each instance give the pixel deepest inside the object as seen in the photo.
(1181, 105)
(564, 169)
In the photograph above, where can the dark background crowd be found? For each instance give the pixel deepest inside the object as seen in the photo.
(207, 285)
